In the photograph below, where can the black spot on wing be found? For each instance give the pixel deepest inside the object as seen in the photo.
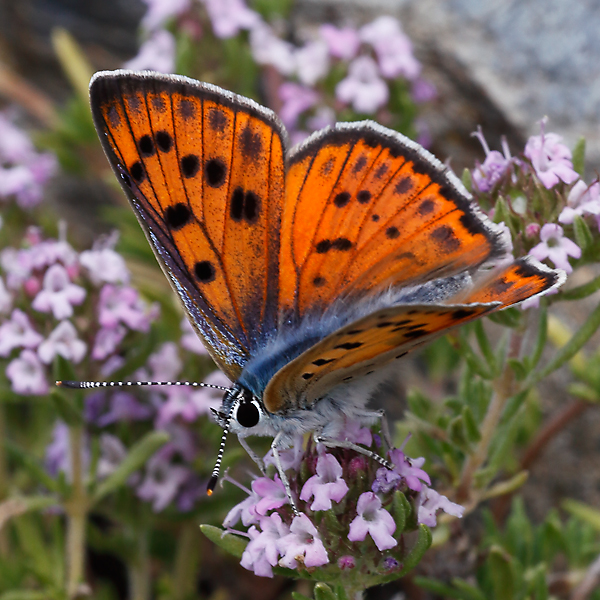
(217, 119)
(204, 271)
(187, 109)
(164, 141)
(177, 216)
(146, 146)
(190, 165)
(341, 199)
(215, 172)
(392, 233)
(250, 142)
(445, 238)
(137, 172)
(322, 361)
(348, 346)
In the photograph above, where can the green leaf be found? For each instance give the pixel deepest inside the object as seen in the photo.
(324, 592)
(413, 558)
(581, 291)
(19, 505)
(507, 487)
(437, 587)
(485, 346)
(468, 591)
(467, 180)
(26, 595)
(66, 407)
(32, 466)
(572, 347)
(233, 544)
(583, 512)
(501, 574)
(541, 337)
(400, 510)
(579, 156)
(137, 456)
(470, 425)
(519, 369)
(583, 234)
(299, 596)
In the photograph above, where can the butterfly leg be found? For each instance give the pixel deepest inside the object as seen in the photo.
(257, 459)
(281, 471)
(331, 443)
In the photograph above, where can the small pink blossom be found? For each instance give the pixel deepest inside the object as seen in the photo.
(268, 49)
(58, 294)
(550, 158)
(59, 456)
(245, 510)
(6, 298)
(124, 408)
(374, 520)
(190, 340)
(107, 341)
(582, 200)
(312, 62)
(261, 553)
(326, 485)
(342, 43)
(271, 492)
(165, 364)
(162, 481)
(556, 247)
(495, 165)
(157, 53)
(405, 470)
(178, 404)
(363, 88)
(18, 332)
(105, 266)
(302, 541)
(112, 453)
(430, 502)
(423, 91)
(27, 374)
(393, 48)
(291, 458)
(62, 341)
(324, 116)
(123, 305)
(205, 398)
(229, 17)
(160, 11)
(296, 100)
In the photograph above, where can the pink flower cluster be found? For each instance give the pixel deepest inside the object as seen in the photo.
(277, 538)
(23, 170)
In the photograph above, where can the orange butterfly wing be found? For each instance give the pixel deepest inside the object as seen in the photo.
(204, 171)
(367, 209)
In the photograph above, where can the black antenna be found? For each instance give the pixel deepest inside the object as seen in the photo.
(212, 483)
(97, 384)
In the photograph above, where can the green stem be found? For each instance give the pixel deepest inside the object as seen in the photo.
(503, 390)
(139, 570)
(76, 509)
(186, 563)
(4, 540)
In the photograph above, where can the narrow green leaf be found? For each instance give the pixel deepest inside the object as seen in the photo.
(583, 233)
(299, 596)
(581, 291)
(400, 511)
(413, 558)
(66, 407)
(324, 592)
(137, 456)
(541, 337)
(470, 425)
(583, 512)
(485, 346)
(467, 180)
(437, 587)
(508, 486)
(519, 368)
(468, 591)
(579, 156)
(501, 574)
(456, 432)
(502, 212)
(32, 466)
(26, 595)
(230, 543)
(572, 347)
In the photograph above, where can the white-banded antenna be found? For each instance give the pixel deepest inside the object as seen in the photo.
(99, 384)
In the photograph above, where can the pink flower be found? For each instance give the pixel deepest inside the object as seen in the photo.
(124, 408)
(363, 88)
(228, 17)
(62, 341)
(122, 305)
(373, 519)
(393, 48)
(271, 492)
(160, 11)
(423, 91)
(178, 404)
(5, 298)
(430, 502)
(405, 471)
(205, 398)
(245, 510)
(296, 99)
(555, 247)
(105, 266)
(582, 200)
(162, 481)
(190, 340)
(302, 541)
(495, 165)
(27, 374)
(324, 117)
(58, 453)
(354, 432)
(112, 453)
(58, 294)
(261, 553)
(18, 332)
(326, 485)
(157, 53)
(165, 365)
(107, 341)
(342, 43)
(268, 49)
(291, 458)
(550, 158)
(312, 62)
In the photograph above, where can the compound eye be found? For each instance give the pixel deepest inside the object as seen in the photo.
(248, 414)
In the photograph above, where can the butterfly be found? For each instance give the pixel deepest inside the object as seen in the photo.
(307, 272)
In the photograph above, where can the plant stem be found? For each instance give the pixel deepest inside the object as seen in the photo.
(4, 541)
(503, 390)
(186, 562)
(76, 509)
(139, 571)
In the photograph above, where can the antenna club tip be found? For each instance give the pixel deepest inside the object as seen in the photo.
(212, 484)
(68, 384)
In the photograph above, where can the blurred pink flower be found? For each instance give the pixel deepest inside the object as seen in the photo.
(6, 298)
(27, 374)
(58, 294)
(392, 47)
(190, 340)
(582, 200)
(486, 175)
(550, 158)
(165, 364)
(104, 266)
(62, 341)
(107, 341)
(342, 43)
(268, 49)
(296, 99)
(162, 481)
(157, 53)
(423, 91)
(124, 407)
(363, 88)
(160, 11)
(17, 332)
(556, 247)
(312, 62)
(228, 17)
(123, 305)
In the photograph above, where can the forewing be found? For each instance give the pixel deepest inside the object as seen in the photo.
(204, 171)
